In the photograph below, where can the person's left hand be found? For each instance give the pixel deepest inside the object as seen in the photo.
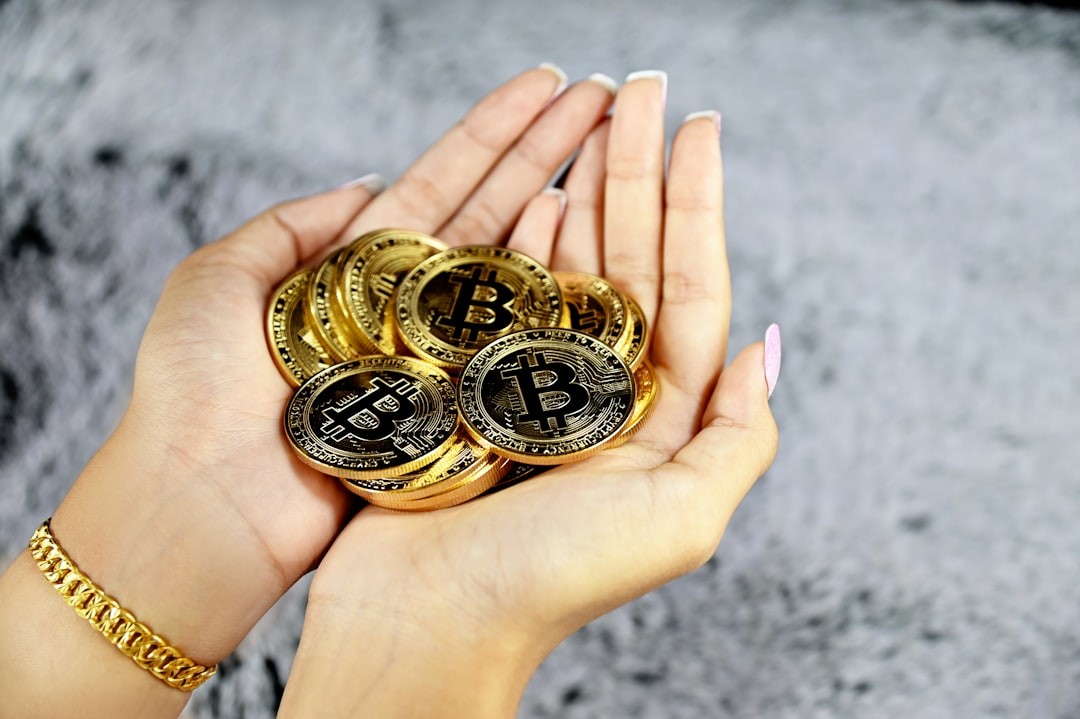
(196, 512)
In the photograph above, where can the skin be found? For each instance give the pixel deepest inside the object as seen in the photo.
(196, 515)
(455, 609)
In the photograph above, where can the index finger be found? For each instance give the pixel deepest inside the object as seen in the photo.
(436, 185)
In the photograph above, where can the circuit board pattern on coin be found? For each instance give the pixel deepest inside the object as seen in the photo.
(594, 306)
(547, 396)
(454, 303)
(373, 417)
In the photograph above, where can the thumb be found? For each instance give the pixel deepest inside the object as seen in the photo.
(738, 436)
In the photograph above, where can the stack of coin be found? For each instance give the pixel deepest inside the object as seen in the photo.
(428, 375)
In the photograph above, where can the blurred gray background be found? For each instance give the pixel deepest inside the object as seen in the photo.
(903, 194)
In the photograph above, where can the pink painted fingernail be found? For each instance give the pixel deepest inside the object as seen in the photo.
(711, 114)
(772, 356)
(373, 183)
(658, 75)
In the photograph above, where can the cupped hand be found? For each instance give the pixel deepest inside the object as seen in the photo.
(196, 512)
(447, 613)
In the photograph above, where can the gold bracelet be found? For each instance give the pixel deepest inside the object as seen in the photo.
(150, 651)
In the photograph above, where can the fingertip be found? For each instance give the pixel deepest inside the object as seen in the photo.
(742, 392)
(772, 356)
(560, 196)
(373, 183)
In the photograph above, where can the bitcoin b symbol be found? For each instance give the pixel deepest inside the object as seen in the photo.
(549, 391)
(585, 319)
(462, 319)
(372, 415)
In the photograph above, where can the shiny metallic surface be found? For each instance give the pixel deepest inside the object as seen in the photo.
(634, 345)
(369, 272)
(547, 396)
(457, 301)
(296, 350)
(594, 306)
(373, 417)
(326, 315)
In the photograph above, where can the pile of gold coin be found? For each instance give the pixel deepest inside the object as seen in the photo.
(428, 375)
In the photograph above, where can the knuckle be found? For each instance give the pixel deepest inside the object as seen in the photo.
(630, 168)
(532, 153)
(419, 196)
(683, 287)
(474, 131)
(691, 200)
(478, 223)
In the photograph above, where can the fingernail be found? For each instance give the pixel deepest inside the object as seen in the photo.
(557, 72)
(603, 81)
(373, 183)
(658, 75)
(772, 356)
(712, 114)
(560, 195)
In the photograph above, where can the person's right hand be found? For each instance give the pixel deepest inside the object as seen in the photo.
(448, 613)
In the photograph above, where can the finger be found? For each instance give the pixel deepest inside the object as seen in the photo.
(681, 508)
(580, 244)
(271, 245)
(634, 189)
(692, 498)
(534, 233)
(738, 433)
(690, 343)
(528, 166)
(658, 524)
(435, 186)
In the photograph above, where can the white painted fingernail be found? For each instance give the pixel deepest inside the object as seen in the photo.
(711, 114)
(658, 76)
(558, 73)
(560, 195)
(603, 81)
(373, 183)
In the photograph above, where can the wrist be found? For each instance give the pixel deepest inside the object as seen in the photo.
(398, 652)
(145, 529)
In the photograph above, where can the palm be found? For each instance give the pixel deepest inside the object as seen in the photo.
(205, 380)
(206, 371)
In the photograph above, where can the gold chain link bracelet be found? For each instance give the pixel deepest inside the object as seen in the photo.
(150, 651)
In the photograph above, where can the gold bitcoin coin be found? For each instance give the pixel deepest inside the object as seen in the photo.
(648, 389)
(519, 472)
(293, 344)
(459, 458)
(369, 273)
(469, 474)
(594, 306)
(478, 482)
(326, 316)
(546, 396)
(457, 301)
(373, 417)
(635, 342)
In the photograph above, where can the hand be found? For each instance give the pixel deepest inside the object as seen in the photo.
(448, 613)
(196, 515)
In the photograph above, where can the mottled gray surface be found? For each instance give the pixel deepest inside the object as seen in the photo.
(903, 190)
